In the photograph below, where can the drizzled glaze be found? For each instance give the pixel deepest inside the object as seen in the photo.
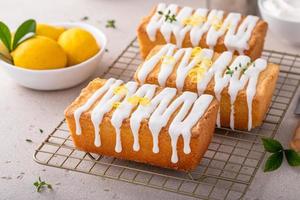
(158, 111)
(240, 78)
(236, 36)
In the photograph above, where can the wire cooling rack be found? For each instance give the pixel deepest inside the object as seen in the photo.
(229, 165)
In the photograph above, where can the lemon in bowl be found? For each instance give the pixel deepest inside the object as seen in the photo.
(39, 53)
(60, 77)
(78, 44)
(49, 31)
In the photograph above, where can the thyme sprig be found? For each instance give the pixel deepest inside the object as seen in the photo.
(39, 184)
(168, 16)
(244, 68)
(229, 71)
(111, 24)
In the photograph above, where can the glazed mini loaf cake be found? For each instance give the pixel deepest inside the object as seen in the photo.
(244, 88)
(215, 29)
(143, 123)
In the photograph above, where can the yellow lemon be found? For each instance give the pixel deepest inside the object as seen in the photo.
(39, 53)
(49, 31)
(79, 45)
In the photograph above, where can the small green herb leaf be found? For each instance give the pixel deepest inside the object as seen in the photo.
(168, 16)
(292, 157)
(28, 140)
(229, 71)
(41, 184)
(274, 162)
(271, 145)
(29, 26)
(5, 36)
(85, 18)
(110, 23)
(160, 12)
(41, 130)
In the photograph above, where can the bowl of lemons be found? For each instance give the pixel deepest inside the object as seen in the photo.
(51, 56)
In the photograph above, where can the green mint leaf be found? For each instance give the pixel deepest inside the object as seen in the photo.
(5, 36)
(292, 157)
(274, 162)
(36, 184)
(29, 26)
(271, 145)
(49, 186)
(160, 12)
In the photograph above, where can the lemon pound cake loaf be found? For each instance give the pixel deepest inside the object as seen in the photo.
(243, 87)
(214, 29)
(143, 123)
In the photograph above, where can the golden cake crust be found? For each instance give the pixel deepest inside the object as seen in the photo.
(264, 90)
(202, 134)
(256, 41)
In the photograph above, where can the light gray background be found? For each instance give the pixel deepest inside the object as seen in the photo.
(23, 112)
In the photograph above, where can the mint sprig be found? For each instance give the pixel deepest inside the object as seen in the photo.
(25, 31)
(278, 152)
(271, 145)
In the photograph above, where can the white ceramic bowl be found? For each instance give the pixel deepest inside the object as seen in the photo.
(56, 79)
(287, 30)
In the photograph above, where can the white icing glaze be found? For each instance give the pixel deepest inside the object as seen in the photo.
(233, 40)
(167, 66)
(119, 115)
(230, 23)
(125, 109)
(253, 73)
(155, 22)
(182, 124)
(159, 102)
(239, 41)
(161, 108)
(186, 65)
(235, 82)
(216, 70)
(161, 116)
(149, 64)
(197, 31)
(105, 104)
(166, 28)
(90, 102)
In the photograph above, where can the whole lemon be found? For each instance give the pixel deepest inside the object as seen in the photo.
(49, 31)
(39, 53)
(79, 45)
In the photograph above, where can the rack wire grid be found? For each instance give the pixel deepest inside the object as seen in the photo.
(229, 165)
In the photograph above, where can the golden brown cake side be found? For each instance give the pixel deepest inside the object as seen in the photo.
(255, 42)
(264, 90)
(201, 135)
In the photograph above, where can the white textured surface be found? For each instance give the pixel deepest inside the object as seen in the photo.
(24, 111)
